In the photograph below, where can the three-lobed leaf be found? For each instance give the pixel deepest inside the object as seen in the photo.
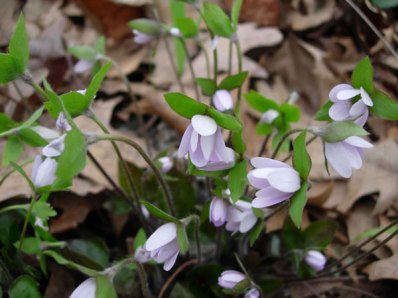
(323, 113)
(104, 287)
(19, 46)
(225, 120)
(24, 287)
(184, 105)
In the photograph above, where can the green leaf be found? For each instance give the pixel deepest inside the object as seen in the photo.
(184, 105)
(146, 26)
(32, 119)
(93, 249)
(323, 113)
(237, 180)
(241, 286)
(155, 211)
(20, 170)
(180, 54)
(301, 158)
(30, 245)
(319, 234)
(291, 112)
(385, 4)
(217, 21)
(255, 232)
(5, 122)
(259, 102)
(140, 239)
(100, 45)
(24, 287)
(383, 106)
(182, 238)
(238, 143)
(297, 204)
(187, 26)
(338, 131)
(43, 210)
(19, 46)
(180, 291)
(95, 83)
(32, 138)
(8, 68)
(12, 150)
(234, 81)
(72, 265)
(84, 52)
(225, 120)
(208, 86)
(235, 11)
(104, 288)
(263, 128)
(73, 159)
(362, 76)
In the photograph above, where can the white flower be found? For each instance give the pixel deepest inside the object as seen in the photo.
(276, 180)
(85, 290)
(43, 172)
(142, 38)
(83, 65)
(175, 32)
(230, 278)
(252, 293)
(62, 123)
(141, 255)
(269, 116)
(166, 163)
(162, 245)
(222, 100)
(240, 217)
(315, 260)
(346, 155)
(55, 148)
(218, 212)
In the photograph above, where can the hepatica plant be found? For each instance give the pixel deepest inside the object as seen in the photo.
(196, 204)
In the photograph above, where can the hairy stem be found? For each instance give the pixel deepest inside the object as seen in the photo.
(284, 138)
(25, 224)
(143, 281)
(184, 45)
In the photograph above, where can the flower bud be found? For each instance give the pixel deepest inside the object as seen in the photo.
(85, 290)
(269, 116)
(218, 212)
(315, 260)
(62, 123)
(55, 148)
(142, 38)
(222, 100)
(252, 293)
(83, 65)
(141, 255)
(230, 278)
(166, 163)
(175, 32)
(43, 172)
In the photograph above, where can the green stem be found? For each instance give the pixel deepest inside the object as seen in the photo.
(200, 43)
(39, 90)
(158, 174)
(240, 66)
(215, 64)
(230, 57)
(184, 45)
(25, 224)
(14, 207)
(173, 65)
(143, 281)
(197, 239)
(284, 138)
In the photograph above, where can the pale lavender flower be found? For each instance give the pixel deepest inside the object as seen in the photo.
(204, 143)
(222, 100)
(85, 290)
(43, 171)
(343, 107)
(269, 116)
(315, 260)
(252, 293)
(346, 155)
(162, 245)
(83, 66)
(240, 217)
(166, 164)
(142, 38)
(276, 180)
(62, 123)
(141, 255)
(55, 147)
(230, 278)
(218, 212)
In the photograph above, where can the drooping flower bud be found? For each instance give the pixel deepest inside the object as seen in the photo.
(222, 100)
(166, 164)
(142, 38)
(315, 260)
(43, 172)
(218, 212)
(85, 290)
(83, 66)
(230, 278)
(240, 217)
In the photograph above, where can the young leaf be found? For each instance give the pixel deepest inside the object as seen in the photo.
(30, 245)
(234, 81)
(338, 131)
(104, 288)
(43, 210)
(297, 204)
(146, 26)
(301, 158)
(24, 287)
(255, 232)
(225, 120)
(182, 238)
(235, 11)
(155, 211)
(5, 123)
(8, 68)
(187, 26)
(259, 102)
(237, 180)
(323, 113)
(319, 234)
(291, 112)
(362, 75)
(83, 52)
(29, 136)
(217, 21)
(100, 45)
(263, 128)
(184, 105)
(19, 46)
(95, 83)
(12, 150)
(208, 86)
(238, 143)
(140, 238)
(73, 159)
(383, 106)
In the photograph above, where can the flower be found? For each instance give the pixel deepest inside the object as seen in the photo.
(55, 147)
(240, 217)
(252, 293)
(62, 123)
(142, 38)
(218, 212)
(85, 290)
(346, 155)
(343, 107)
(175, 32)
(43, 172)
(269, 116)
(315, 260)
(204, 143)
(162, 245)
(230, 278)
(83, 65)
(222, 100)
(141, 255)
(166, 164)
(276, 180)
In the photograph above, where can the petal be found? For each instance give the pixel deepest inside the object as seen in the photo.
(257, 182)
(366, 98)
(214, 43)
(247, 222)
(197, 158)
(194, 140)
(263, 162)
(358, 108)
(269, 116)
(232, 276)
(361, 120)
(35, 167)
(204, 125)
(340, 110)
(336, 89)
(207, 145)
(358, 142)
(264, 202)
(352, 155)
(347, 94)
(220, 149)
(83, 66)
(285, 180)
(167, 251)
(334, 153)
(184, 144)
(222, 100)
(85, 290)
(45, 174)
(171, 261)
(162, 236)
